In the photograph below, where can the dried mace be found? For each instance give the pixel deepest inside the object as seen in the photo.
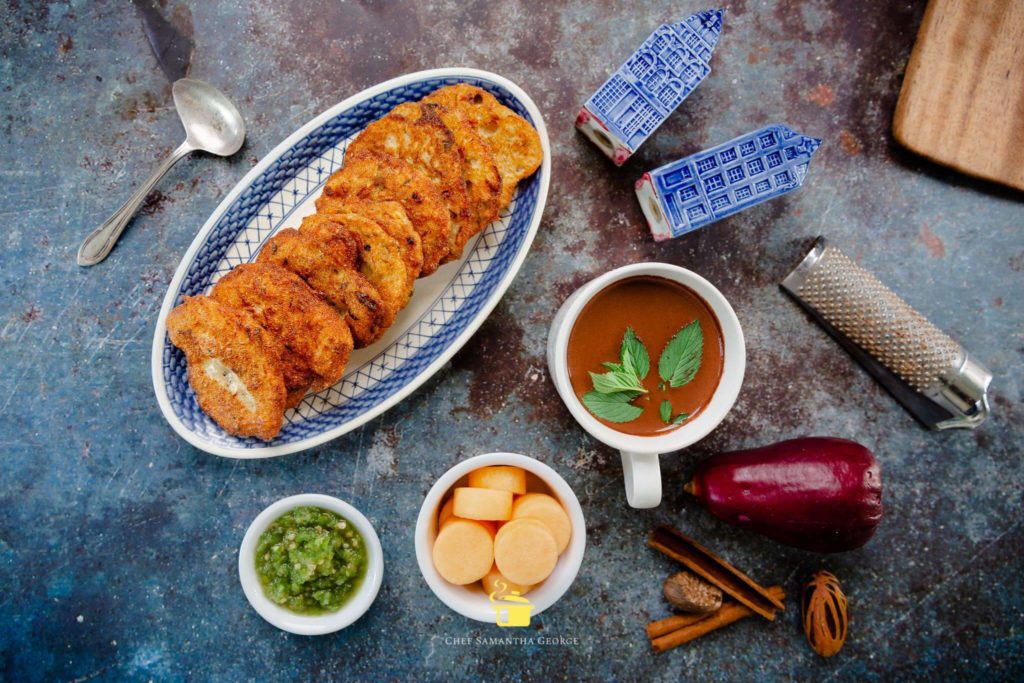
(824, 612)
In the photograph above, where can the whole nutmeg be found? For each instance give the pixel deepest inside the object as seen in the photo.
(824, 612)
(688, 593)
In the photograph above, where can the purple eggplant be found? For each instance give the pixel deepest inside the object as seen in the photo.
(814, 493)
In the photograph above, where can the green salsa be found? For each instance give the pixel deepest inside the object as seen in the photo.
(310, 560)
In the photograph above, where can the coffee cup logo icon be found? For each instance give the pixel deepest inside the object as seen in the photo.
(510, 608)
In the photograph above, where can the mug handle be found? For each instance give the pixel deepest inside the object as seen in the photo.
(642, 475)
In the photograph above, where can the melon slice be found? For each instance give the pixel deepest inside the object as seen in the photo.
(525, 551)
(500, 477)
(463, 552)
(548, 511)
(486, 504)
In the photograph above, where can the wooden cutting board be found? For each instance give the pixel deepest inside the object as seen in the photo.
(962, 102)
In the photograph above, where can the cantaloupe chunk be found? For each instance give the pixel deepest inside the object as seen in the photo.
(548, 511)
(500, 477)
(492, 527)
(463, 552)
(489, 504)
(525, 551)
(446, 512)
(496, 582)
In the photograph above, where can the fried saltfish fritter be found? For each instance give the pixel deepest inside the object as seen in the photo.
(413, 131)
(384, 177)
(234, 366)
(392, 219)
(513, 141)
(382, 264)
(331, 267)
(314, 335)
(483, 182)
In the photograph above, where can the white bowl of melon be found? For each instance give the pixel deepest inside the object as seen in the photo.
(496, 525)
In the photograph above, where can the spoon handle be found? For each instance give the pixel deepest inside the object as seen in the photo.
(101, 240)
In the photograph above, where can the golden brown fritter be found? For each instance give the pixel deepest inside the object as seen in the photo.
(382, 256)
(384, 177)
(483, 182)
(313, 333)
(392, 219)
(513, 141)
(331, 267)
(414, 132)
(234, 366)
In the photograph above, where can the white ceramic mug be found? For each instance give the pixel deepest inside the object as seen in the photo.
(640, 466)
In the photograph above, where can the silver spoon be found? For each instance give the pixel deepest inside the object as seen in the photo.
(212, 124)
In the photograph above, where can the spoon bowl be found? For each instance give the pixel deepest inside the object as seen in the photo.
(212, 123)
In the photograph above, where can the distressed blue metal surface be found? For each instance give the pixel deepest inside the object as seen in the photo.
(705, 187)
(655, 79)
(118, 541)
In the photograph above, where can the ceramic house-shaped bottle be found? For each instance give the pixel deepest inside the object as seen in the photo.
(655, 79)
(702, 188)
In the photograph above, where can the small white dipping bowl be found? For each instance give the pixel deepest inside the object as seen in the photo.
(311, 625)
(471, 601)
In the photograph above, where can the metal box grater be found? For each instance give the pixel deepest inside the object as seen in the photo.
(920, 365)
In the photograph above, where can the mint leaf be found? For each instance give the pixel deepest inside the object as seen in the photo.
(614, 407)
(680, 417)
(666, 412)
(615, 367)
(681, 358)
(611, 382)
(634, 354)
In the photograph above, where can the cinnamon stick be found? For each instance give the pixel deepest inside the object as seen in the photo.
(715, 570)
(656, 629)
(727, 614)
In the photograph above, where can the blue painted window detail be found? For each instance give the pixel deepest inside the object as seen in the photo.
(644, 117)
(713, 183)
(767, 140)
(747, 148)
(706, 164)
(612, 91)
(762, 186)
(735, 174)
(755, 166)
(697, 211)
(673, 58)
(727, 156)
(743, 192)
(781, 178)
(667, 96)
(719, 202)
(677, 177)
(672, 209)
(773, 159)
(688, 192)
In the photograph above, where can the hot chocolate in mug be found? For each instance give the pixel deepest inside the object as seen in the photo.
(640, 453)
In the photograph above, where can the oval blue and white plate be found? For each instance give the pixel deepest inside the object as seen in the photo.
(447, 307)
